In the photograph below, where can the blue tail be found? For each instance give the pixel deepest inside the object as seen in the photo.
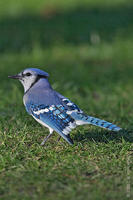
(81, 119)
(103, 124)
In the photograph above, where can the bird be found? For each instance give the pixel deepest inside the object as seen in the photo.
(51, 109)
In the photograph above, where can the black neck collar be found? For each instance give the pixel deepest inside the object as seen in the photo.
(36, 80)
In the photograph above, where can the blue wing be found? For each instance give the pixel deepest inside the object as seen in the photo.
(55, 117)
(70, 106)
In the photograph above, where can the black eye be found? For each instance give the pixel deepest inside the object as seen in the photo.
(28, 74)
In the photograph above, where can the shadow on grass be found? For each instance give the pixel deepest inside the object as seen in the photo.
(75, 27)
(104, 137)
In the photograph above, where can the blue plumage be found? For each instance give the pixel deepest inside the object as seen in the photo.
(51, 109)
(54, 117)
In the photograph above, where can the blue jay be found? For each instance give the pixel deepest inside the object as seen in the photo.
(51, 109)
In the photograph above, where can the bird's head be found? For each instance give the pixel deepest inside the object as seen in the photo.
(29, 77)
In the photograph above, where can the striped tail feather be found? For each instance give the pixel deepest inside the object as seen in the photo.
(84, 119)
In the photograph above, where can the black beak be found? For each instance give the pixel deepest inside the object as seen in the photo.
(15, 76)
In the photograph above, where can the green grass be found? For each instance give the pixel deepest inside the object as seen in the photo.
(86, 47)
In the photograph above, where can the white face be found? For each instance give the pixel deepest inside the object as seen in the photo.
(28, 78)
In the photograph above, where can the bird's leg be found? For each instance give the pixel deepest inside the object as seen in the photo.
(45, 139)
(58, 139)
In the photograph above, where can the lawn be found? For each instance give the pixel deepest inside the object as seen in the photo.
(87, 48)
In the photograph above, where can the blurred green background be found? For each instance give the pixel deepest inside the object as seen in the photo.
(87, 48)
